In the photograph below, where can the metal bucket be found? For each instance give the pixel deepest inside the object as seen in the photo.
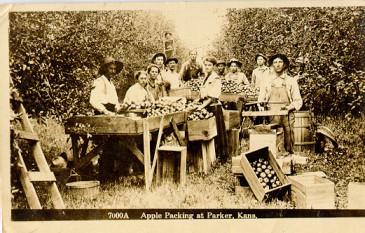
(78, 189)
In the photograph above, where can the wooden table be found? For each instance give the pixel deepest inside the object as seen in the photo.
(84, 128)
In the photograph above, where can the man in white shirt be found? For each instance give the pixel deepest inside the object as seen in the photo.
(172, 78)
(103, 96)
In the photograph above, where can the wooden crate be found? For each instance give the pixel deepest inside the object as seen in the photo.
(231, 119)
(312, 192)
(252, 179)
(193, 95)
(356, 193)
(180, 92)
(229, 97)
(259, 140)
(117, 125)
(202, 129)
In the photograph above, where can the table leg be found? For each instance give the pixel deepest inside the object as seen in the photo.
(146, 152)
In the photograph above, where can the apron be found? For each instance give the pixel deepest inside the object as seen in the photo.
(279, 94)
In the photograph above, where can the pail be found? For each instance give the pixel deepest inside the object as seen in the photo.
(303, 138)
(88, 188)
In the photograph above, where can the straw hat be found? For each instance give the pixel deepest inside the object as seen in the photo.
(236, 61)
(108, 60)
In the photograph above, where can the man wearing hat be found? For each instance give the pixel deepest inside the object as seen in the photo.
(258, 73)
(191, 69)
(103, 96)
(281, 92)
(221, 65)
(172, 78)
(159, 59)
(234, 74)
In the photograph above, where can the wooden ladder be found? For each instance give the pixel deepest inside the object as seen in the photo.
(28, 177)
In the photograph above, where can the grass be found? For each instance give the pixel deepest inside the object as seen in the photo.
(215, 190)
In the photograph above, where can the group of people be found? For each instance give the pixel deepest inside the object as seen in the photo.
(276, 86)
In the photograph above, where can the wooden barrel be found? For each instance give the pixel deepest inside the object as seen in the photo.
(303, 138)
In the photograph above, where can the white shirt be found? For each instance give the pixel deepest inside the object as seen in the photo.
(138, 94)
(173, 78)
(103, 92)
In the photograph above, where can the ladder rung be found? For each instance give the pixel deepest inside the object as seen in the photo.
(172, 148)
(41, 176)
(26, 135)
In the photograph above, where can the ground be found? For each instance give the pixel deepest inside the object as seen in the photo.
(214, 190)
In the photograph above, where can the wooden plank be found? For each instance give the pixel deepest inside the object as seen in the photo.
(202, 129)
(27, 185)
(251, 178)
(183, 166)
(41, 176)
(56, 196)
(211, 150)
(155, 157)
(204, 155)
(84, 160)
(75, 147)
(20, 134)
(146, 151)
(131, 145)
(177, 132)
(265, 113)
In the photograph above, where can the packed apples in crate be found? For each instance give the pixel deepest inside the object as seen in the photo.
(201, 125)
(263, 174)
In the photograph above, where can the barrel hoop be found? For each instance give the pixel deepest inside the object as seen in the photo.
(304, 143)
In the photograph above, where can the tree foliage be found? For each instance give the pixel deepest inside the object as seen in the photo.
(55, 56)
(330, 39)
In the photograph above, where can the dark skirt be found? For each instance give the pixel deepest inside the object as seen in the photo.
(221, 139)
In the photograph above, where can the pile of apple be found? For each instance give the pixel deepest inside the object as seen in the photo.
(265, 173)
(163, 107)
(202, 114)
(194, 84)
(229, 86)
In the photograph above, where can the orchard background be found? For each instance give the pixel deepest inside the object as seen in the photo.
(55, 56)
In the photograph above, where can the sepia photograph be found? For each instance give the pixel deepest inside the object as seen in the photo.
(219, 111)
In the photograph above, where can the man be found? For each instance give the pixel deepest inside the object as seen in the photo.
(159, 59)
(221, 65)
(172, 78)
(103, 96)
(191, 69)
(156, 90)
(234, 74)
(258, 73)
(281, 88)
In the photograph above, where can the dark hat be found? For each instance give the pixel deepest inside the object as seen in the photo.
(236, 61)
(282, 57)
(108, 60)
(221, 62)
(260, 55)
(158, 55)
(171, 59)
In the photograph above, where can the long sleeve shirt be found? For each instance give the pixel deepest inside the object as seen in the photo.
(190, 70)
(211, 86)
(291, 86)
(238, 77)
(258, 76)
(103, 92)
(173, 78)
(138, 94)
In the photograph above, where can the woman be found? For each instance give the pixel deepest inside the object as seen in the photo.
(210, 92)
(156, 89)
(138, 92)
(103, 96)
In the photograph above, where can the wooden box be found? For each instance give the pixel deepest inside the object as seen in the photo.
(202, 129)
(259, 140)
(180, 92)
(312, 192)
(231, 119)
(172, 163)
(229, 97)
(260, 193)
